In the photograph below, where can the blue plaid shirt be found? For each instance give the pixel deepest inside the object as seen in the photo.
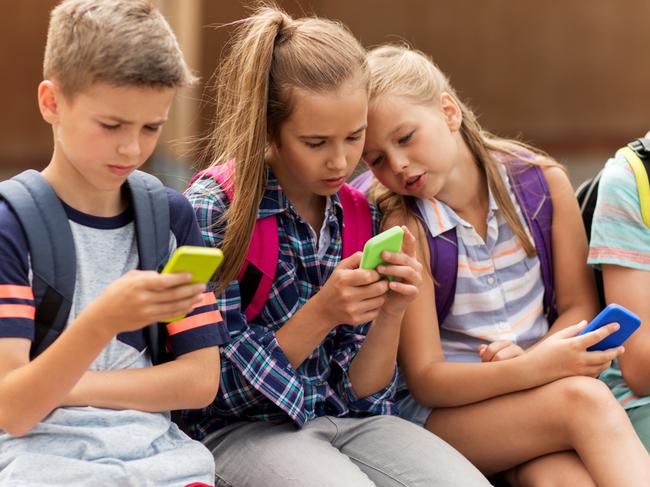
(258, 383)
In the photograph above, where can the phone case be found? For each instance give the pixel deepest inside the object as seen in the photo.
(613, 313)
(389, 240)
(201, 262)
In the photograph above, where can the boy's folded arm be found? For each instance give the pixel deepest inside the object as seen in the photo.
(629, 287)
(190, 381)
(29, 391)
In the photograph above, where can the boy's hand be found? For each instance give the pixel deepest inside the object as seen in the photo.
(501, 350)
(406, 270)
(565, 354)
(140, 298)
(351, 295)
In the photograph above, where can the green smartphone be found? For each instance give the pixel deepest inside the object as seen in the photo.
(389, 240)
(201, 262)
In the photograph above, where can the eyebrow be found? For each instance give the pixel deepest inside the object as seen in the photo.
(316, 136)
(128, 122)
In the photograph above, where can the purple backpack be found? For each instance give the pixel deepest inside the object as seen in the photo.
(258, 270)
(532, 194)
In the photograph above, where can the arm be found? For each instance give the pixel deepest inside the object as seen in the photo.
(145, 297)
(188, 382)
(435, 382)
(573, 279)
(629, 287)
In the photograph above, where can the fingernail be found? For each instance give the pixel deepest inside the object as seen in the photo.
(381, 268)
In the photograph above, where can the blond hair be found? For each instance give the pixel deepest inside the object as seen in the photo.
(270, 56)
(399, 70)
(119, 42)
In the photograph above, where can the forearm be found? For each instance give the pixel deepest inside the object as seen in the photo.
(303, 333)
(572, 315)
(29, 393)
(374, 364)
(449, 384)
(635, 364)
(189, 382)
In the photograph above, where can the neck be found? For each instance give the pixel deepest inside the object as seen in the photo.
(466, 190)
(73, 188)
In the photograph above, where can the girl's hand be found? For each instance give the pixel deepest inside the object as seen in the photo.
(565, 354)
(406, 270)
(351, 295)
(501, 350)
(140, 298)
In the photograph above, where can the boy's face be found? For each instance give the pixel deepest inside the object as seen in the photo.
(105, 132)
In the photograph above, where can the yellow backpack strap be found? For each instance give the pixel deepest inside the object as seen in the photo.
(642, 182)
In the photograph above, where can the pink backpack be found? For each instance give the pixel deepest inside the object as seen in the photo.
(258, 270)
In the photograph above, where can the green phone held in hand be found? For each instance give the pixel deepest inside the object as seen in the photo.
(389, 241)
(201, 262)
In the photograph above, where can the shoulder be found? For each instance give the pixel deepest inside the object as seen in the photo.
(617, 180)
(14, 248)
(557, 180)
(208, 199)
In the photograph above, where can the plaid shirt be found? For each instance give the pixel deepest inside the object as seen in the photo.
(258, 383)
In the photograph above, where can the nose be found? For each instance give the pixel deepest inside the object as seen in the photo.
(398, 164)
(337, 160)
(130, 146)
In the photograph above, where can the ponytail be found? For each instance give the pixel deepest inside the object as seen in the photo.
(270, 54)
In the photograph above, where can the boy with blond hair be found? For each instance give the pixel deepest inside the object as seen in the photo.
(90, 407)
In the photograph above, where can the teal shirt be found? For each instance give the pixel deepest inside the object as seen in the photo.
(619, 237)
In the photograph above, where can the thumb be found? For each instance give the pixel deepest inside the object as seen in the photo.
(351, 262)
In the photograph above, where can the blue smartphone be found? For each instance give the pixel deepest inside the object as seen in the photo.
(613, 313)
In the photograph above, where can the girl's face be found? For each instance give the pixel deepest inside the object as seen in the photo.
(412, 148)
(322, 140)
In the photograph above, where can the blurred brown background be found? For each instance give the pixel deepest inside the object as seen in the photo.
(570, 77)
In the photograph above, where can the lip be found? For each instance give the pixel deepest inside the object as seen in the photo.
(334, 182)
(417, 184)
(121, 170)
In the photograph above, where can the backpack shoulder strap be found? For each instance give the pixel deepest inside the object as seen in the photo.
(52, 252)
(152, 226)
(257, 273)
(637, 155)
(443, 256)
(357, 220)
(534, 198)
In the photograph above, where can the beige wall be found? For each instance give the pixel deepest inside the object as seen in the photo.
(570, 76)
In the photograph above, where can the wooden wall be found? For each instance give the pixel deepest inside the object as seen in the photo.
(570, 76)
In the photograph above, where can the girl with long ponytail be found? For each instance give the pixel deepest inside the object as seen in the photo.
(307, 384)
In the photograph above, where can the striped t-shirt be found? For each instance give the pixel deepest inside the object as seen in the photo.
(499, 289)
(619, 237)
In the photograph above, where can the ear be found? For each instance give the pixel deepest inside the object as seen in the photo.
(49, 97)
(451, 111)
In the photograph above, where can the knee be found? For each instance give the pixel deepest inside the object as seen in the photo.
(587, 399)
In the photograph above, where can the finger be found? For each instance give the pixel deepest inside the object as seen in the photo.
(408, 244)
(154, 280)
(593, 337)
(598, 357)
(180, 293)
(359, 277)
(494, 348)
(406, 273)
(351, 262)
(571, 331)
(371, 305)
(404, 289)
(507, 353)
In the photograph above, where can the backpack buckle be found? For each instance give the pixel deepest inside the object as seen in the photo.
(641, 147)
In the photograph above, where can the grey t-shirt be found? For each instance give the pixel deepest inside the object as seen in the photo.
(98, 446)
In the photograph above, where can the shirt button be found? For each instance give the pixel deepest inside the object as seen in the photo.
(490, 280)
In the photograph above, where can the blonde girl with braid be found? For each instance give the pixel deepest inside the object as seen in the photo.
(489, 353)
(306, 397)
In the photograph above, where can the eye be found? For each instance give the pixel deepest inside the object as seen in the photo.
(314, 145)
(108, 126)
(406, 138)
(152, 128)
(355, 138)
(377, 160)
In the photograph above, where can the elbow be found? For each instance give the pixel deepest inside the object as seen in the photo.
(637, 379)
(15, 426)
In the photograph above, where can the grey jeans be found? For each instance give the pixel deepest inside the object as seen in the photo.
(383, 451)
